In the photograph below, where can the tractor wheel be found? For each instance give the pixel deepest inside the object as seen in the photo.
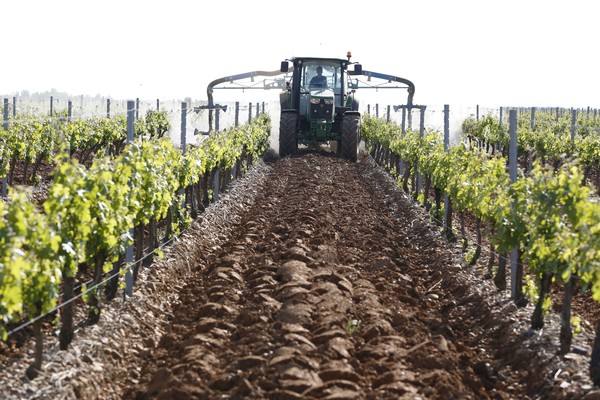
(350, 131)
(288, 141)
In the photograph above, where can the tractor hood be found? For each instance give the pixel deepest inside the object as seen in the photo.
(322, 93)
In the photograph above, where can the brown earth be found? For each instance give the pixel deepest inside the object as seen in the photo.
(311, 278)
(325, 293)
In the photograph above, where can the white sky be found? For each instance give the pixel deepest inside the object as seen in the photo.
(458, 52)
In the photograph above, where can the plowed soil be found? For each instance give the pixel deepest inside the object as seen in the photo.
(324, 293)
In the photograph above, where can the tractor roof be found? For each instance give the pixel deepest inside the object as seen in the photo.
(337, 60)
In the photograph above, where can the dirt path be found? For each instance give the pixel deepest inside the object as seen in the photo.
(323, 293)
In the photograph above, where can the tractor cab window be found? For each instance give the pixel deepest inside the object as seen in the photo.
(320, 76)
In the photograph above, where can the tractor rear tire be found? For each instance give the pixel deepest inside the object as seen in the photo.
(288, 140)
(350, 133)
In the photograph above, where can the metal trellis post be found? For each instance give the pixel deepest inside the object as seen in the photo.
(4, 188)
(5, 114)
(131, 108)
(237, 114)
(421, 134)
(403, 120)
(447, 206)
(573, 124)
(183, 138)
(516, 271)
(500, 117)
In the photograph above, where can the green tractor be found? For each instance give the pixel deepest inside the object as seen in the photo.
(317, 101)
(318, 107)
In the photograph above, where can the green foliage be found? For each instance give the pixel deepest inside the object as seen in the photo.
(154, 126)
(554, 209)
(548, 214)
(29, 269)
(576, 324)
(550, 141)
(352, 326)
(89, 212)
(30, 138)
(487, 129)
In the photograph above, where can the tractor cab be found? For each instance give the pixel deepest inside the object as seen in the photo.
(317, 99)
(321, 79)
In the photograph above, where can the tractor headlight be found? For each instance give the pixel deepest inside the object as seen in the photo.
(315, 100)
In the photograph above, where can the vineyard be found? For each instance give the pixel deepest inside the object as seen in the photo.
(132, 267)
(105, 191)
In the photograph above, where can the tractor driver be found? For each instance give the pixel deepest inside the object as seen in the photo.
(319, 81)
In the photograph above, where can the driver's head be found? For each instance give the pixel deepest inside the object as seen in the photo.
(319, 70)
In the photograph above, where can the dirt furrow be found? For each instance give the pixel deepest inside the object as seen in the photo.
(323, 293)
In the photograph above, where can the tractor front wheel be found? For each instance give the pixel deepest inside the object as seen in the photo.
(350, 133)
(288, 141)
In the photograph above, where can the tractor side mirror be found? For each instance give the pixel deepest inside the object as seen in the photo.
(358, 69)
(285, 66)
